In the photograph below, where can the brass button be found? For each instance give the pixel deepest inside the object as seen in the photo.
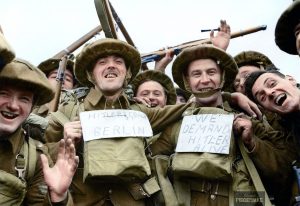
(110, 191)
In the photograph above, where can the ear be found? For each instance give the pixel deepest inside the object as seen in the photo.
(291, 79)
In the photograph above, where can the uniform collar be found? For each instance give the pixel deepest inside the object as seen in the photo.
(96, 96)
(15, 139)
(194, 108)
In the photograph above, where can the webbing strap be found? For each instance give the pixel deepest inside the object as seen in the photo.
(151, 186)
(253, 173)
(32, 157)
(26, 160)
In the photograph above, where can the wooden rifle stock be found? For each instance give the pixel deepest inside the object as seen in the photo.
(161, 53)
(60, 79)
(78, 43)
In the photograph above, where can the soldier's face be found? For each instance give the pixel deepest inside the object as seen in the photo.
(109, 74)
(154, 91)
(68, 82)
(240, 78)
(15, 106)
(276, 94)
(204, 75)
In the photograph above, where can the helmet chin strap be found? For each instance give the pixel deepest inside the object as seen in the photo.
(205, 94)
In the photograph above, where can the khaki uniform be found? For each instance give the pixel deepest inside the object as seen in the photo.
(269, 156)
(36, 189)
(94, 193)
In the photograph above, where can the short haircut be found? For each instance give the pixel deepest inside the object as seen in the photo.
(251, 79)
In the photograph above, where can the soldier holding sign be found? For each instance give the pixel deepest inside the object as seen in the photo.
(122, 175)
(204, 173)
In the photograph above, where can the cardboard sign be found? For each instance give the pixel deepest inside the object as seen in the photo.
(205, 133)
(101, 124)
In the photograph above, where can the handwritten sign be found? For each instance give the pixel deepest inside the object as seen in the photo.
(101, 124)
(205, 133)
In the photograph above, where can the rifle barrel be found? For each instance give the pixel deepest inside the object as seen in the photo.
(78, 43)
(205, 41)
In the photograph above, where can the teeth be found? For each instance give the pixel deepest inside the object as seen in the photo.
(8, 114)
(280, 99)
(110, 75)
(205, 90)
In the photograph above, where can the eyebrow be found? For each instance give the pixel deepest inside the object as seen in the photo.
(263, 84)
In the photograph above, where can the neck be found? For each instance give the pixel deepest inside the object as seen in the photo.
(112, 97)
(212, 101)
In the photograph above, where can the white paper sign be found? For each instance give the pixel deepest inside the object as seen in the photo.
(101, 124)
(205, 133)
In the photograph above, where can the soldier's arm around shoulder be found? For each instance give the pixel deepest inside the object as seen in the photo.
(160, 118)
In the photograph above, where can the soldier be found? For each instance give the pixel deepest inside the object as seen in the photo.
(106, 66)
(154, 88)
(25, 178)
(181, 96)
(69, 85)
(279, 94)
(50, 68)
(287, 30)
(247, 62)
(205, 71)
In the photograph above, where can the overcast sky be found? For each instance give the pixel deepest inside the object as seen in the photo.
(38, 29)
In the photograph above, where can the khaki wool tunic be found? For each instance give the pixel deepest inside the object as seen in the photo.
(272, 157)
(96, 193)
(36, 188)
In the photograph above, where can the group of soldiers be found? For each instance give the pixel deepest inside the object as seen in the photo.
(47, 158)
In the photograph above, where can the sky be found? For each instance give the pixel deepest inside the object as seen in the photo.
(39, 29)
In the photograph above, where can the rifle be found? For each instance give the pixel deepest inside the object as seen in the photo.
(123, 30)
(156, 55)
(63, 56)
(78, 43)
(60, 79)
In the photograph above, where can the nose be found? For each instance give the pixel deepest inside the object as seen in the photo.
(13, 104)
(151, 97)
(242, 85)
(270, 93)
(111, 64)
(204, 78)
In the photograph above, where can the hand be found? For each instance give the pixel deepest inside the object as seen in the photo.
(73, 131)
(246, 104)
(59, 177)
(242, 126)
(143, 100)
(161, 64)
(222, 38)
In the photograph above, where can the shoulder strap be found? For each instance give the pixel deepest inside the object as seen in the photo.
(26, 159)
(71, 110)
(31, 158)
(253, 173)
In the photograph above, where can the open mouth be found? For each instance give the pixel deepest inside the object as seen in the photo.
(205, 89)
(111, 75)
(8, 115)
(280, 99)
(153, 105)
